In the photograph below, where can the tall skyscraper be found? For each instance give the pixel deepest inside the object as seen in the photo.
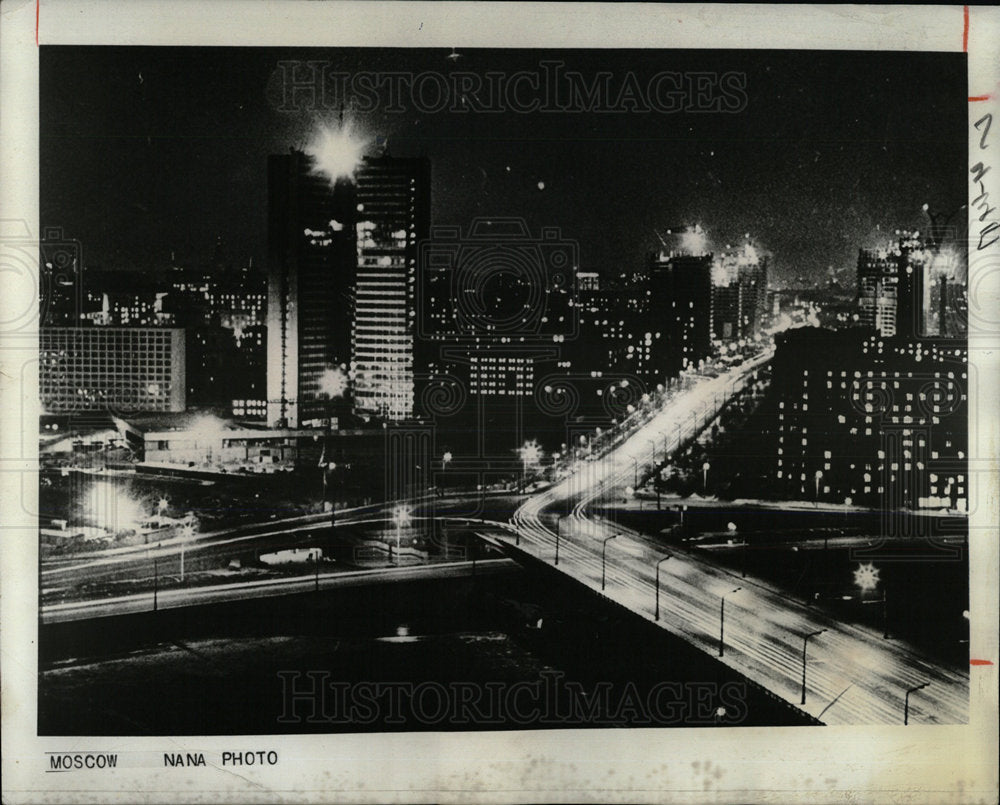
(393, 215)
(311, 260)
(913, 295)
(681, 286)
(878, 285)
(739, 294)
(893, 292)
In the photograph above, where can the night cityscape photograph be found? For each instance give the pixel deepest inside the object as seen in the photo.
(454, 389)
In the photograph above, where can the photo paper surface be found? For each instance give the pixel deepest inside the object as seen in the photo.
(499, 402)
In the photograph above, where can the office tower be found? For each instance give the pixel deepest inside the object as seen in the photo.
(393, 216)
(893, 292)
(310, 270)
(681, 297)
(878, 285)
(912, 297)
(739, 294)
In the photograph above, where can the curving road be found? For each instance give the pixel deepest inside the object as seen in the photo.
(854, 676)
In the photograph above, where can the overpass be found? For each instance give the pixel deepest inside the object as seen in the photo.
(838, 673)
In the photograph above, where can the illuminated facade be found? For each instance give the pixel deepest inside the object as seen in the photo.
(393, 216)
(739, 294)
(111, 368)
(893, 292)
(310, 269)
(871, 420)
(878, 285)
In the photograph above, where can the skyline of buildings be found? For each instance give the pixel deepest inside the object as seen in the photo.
(367, 305)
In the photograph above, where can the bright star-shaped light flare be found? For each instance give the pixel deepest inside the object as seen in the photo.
(866, 576)
(337, 151)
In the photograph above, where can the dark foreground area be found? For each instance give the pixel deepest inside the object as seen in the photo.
(511, 649)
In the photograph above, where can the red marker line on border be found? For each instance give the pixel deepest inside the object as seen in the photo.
(965, 30)
(38, 3)
(980, 662)
(974, 98)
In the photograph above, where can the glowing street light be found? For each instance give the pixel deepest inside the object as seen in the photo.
(704, 475)
(818, 477)
(866, 577)
(530, 454)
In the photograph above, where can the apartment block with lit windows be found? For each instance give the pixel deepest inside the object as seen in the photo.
(111, 369)
(871, 420)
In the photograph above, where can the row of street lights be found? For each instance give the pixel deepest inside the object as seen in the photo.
(722, 621)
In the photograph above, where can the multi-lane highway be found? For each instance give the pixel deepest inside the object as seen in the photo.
(172, 598)
(122, 579)
(852, 674)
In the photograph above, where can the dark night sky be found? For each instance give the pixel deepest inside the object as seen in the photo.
(148, 150)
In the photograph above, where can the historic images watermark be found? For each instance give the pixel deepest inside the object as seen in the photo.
(312, 697)
(316, 85)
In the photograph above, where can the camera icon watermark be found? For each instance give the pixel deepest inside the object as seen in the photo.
(42, 278)
(497, 283)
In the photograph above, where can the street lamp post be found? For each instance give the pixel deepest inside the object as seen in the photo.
(819, 477)
(867, 578)
(805, 643)
(530, 453)
(604, 558)
(401, 516)
(906, 702)
(704, 475)
(445, 461)
(722, 621)
(186, 533)
(660, 562)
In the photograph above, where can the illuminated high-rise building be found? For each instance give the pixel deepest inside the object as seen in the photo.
(311, 260)
(878, 286)
(392, 217)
